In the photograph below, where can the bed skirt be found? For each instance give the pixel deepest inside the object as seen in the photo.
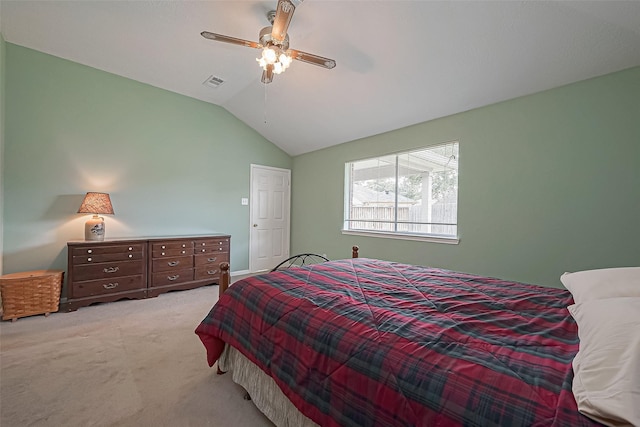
(264, 392)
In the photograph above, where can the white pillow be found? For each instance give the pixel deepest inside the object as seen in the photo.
(606, 381)
(604, 283)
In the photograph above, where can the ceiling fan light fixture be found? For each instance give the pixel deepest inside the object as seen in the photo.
(270, 55)
(285, 60)
(274, 56)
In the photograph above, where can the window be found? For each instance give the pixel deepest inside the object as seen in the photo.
(406, 194)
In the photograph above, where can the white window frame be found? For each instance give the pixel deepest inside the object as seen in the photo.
(429, 237)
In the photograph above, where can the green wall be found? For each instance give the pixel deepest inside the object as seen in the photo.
(172, 165)
(548, 183)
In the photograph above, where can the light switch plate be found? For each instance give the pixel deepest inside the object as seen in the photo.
(244, 201)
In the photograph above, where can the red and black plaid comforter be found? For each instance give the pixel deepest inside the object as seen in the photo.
(363, 342)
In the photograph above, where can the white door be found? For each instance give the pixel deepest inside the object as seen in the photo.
(269, 212)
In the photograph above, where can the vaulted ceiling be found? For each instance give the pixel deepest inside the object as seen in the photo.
(398, 62)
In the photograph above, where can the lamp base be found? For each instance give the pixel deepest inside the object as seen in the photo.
(94, 228)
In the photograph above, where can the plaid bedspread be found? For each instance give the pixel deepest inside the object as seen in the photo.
(363, 342)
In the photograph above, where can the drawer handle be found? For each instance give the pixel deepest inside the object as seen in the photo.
(110, 285)
(212, 259)
(211, 272)
(203, 250)
(89, 251)
(219, 243)
(174, 277)
(130, 256)
(173, 263)
(163, 247)
(184, 246)
(162, 253)
(89, 259)
(221, 248)
(111, 269)
(184, 252)
(130, 248)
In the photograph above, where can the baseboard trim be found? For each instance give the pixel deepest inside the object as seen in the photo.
(240, 273)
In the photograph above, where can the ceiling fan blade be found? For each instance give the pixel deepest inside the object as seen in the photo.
(310, 58)
(228, 39)
(284, 13)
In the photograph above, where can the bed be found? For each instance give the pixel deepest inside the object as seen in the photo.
(366, 342)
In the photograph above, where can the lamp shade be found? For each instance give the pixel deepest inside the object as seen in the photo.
(96, 203)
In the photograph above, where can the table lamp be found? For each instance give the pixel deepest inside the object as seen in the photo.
(95, 203)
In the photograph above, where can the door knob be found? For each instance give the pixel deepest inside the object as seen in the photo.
(255, 225)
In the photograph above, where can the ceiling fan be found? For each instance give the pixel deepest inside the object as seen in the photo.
(274, 42)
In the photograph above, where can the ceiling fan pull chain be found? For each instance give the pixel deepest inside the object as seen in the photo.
(265, 103)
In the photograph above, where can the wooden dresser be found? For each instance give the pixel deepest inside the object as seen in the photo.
(105, 271)
(139, 268)
(185, 263)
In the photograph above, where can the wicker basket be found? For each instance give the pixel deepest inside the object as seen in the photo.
(29, 293)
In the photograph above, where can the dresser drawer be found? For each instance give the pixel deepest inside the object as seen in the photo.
(97, 258)
(106, 286)
(213, 259)
(107, 270)
(211, 246)
(211, 272)
(106, 253)
(171, 245)
(172, 277)
(172, 263)
(164, 253)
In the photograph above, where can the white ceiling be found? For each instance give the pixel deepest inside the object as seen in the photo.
(398, 62)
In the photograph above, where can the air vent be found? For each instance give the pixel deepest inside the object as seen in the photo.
(213, 82)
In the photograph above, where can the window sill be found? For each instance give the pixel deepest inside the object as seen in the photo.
(399, 236)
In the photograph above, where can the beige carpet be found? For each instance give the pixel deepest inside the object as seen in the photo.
(127, 363)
